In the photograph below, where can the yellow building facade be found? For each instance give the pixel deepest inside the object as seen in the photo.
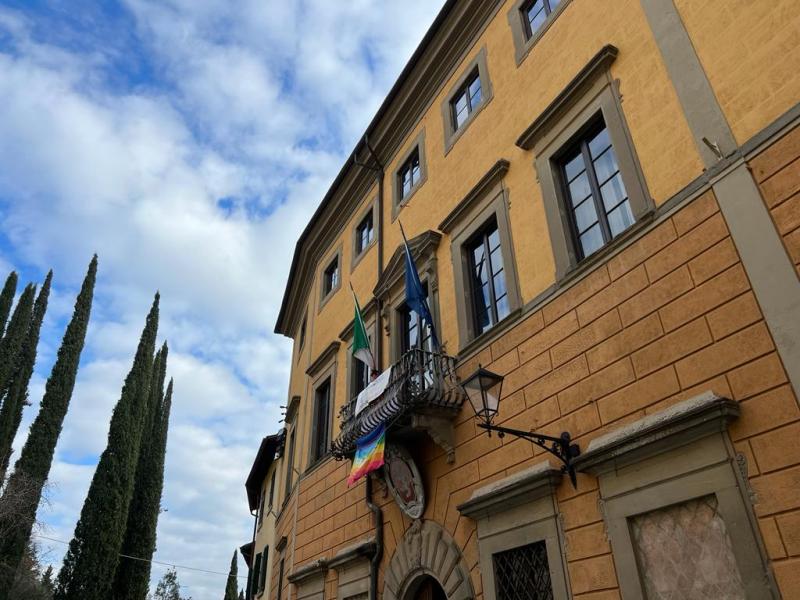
(603, 203)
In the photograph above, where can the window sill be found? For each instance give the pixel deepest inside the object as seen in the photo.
(398, 205)
(357, 258)
(468, 349)
(456, 135)
(524, 44)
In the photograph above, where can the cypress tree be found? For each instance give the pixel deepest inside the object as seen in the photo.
(233, 580)
(7, 298)
(132, 580)
(11, 344)
(93, 554)
(33, 466)
(17, 396)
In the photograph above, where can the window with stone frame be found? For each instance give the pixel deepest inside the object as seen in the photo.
(523, 573)
(594, 192)
(280, 578)
(320, 443)
(365, 233)
(330, 277)
(272, 488)
(488, 289)
(262, 576)
(289, 466)
(409, 175)
(535, 13)
(467, 99)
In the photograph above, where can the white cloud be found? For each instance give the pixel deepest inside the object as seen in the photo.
(253, 102)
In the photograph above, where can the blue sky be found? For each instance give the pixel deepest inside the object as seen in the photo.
(186, 142)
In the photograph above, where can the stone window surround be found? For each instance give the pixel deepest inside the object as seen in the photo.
(669, 457)
(488, 198)
(522, 43)
(398, 202)
(592, 93)
(357, 256)
(328, 373)
(323, 297)
(451, 134)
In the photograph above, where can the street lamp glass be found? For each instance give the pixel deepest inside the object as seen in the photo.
(483, 390)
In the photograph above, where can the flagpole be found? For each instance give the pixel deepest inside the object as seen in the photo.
(369, 346)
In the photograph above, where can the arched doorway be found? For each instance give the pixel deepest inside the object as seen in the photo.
(428, 589)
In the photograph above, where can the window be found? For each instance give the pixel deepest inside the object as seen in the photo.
(535, 13)
(321, 430)
(330, 278)
(584, 153)
(411, 173)
(271, 488)
(280, 579)
(490, 303)
(485, 274)
(523, 573)
(262, 576)
(415, 333)
(302, 334)
(529, 20)
(365, 231)
(289, 467)
(261, 507)
(469, 94)
(256, 576)
(596, 197)
(467, 99)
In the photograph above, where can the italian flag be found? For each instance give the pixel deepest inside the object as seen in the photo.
(361, 349)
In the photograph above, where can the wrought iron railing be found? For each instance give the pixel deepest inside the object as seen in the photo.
(420, 382)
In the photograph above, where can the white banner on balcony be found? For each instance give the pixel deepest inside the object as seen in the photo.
(373, 390)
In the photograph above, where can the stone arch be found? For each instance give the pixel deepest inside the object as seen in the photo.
(427, 549)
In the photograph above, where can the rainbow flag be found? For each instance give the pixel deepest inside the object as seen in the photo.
(369, 454)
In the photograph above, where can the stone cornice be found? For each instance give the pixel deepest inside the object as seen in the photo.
(597, 65)
(317, 568)
(673, 427)
(451, 36)
(421, 246)
(323, 358)
(492, 176)
(520, 488)
(356, 552)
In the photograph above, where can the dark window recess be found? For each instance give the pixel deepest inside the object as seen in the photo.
(361, 376)
(261, 507)
(365, 233)
(523, 573)
(490, 302)
(330, 278)
(271, 488)
(289, 465)
(409, 175)
(598, 203)
(262, 577)
(256, 575)
(535, 13)
(466, 99)
(280, 580)
(322, 409)
(415, 332)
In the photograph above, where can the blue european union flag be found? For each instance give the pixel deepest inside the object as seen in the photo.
(416, 299)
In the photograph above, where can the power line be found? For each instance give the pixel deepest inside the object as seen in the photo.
(155, 562)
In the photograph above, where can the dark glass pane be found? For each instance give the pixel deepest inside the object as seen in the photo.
(585, 215)
(579, 189)
(523, 573)
(613, 192)
(620, 218)
(536, 15)
(481, 268)
(599, 143)
(592, 240)
(605, 166)
(574, 166)
(475, 92)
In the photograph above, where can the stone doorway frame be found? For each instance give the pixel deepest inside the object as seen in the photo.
(427, 549)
